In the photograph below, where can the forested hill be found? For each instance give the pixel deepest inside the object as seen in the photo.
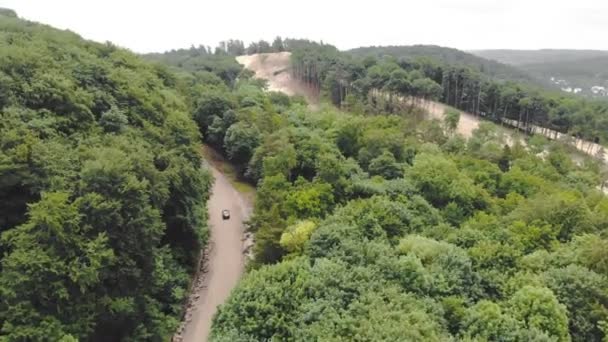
(202, 62)
(371, 223)
(374, 225)
(350, 79)
(450, 56)
(523, 57)
(581, 71)
(101, 193)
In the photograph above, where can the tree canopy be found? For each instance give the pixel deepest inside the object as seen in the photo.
(370, 224)
(101, 192)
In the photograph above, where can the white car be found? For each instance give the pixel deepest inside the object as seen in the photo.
(225, 214)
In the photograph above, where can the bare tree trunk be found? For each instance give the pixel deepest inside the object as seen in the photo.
(527, 123)
(478, 99)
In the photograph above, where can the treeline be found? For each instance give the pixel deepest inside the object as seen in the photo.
(478, 91)
(449, 56)
(102, 198)
(235, 47)
(200, 65)
(385, 228)
(382, 227)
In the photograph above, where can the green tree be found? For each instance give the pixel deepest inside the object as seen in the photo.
(240, 141)
(585, 309)
(386, 166)
(277, 45)
(296, 236)
(49, 278)
(451, 119)
(538, 309)
(210, 105)
(113, 121)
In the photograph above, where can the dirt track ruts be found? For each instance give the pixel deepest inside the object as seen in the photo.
(225, 260)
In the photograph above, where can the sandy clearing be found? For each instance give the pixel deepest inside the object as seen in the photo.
(276, 69)
(467, 124)
(225, 257)
(268, 65)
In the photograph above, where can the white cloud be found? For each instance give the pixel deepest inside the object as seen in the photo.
(147, 26)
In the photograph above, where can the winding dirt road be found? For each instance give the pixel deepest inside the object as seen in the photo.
(225, 260)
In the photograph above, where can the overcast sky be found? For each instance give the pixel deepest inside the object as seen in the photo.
(147, 26)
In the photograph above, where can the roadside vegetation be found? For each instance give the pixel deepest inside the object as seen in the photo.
(370, 223)
(350, 79)
(102, 198)
(380, 226)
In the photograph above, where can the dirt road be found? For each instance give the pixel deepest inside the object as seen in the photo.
(225, 261)
(467, 124)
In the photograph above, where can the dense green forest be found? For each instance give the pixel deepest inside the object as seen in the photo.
(384, 227)
(102, 199)
(449, 56)
(376, 225)
(204, 56)
(354, 82)
(371, 224)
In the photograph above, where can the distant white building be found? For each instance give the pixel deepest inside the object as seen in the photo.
(599, 90)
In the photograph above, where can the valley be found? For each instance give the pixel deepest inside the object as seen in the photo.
(290, 190)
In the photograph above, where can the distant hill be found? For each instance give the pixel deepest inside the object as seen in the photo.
(450, 56)
(7, 12)
(524, 57)
(578, 71)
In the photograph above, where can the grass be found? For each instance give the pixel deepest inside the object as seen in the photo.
(221, 164)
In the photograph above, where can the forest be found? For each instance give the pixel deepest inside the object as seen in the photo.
(576, 68)
(102, 198)
(376, 225)
(489, 67)
(413, 74)
(371, 223)
(384, 227)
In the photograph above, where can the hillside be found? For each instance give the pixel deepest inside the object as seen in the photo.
(370, 222)
(200, 61)
(576, 71)
(449, 56)
(590, 75)
(102, 196)
(378, 226)
(276, 69)
(523, 57)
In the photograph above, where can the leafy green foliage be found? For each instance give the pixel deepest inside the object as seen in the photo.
(443, 242)
(373, 227)
(399, 79)
(367, 227)
(101, 192)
